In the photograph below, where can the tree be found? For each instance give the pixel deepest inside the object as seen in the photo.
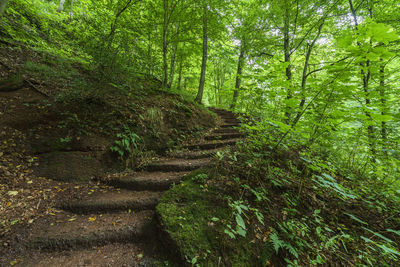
(3, 6)
(199, 96)
(61, 6)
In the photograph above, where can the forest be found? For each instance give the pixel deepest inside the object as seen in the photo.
(200, 132)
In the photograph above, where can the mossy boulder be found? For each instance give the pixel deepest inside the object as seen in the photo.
(194, 216)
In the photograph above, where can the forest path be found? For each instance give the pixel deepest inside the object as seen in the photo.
(117, 227)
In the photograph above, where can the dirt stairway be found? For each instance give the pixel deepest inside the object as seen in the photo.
(117, 227)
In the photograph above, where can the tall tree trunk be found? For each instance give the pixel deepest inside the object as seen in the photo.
(383, 102)
(71, 10)
(286, 49)
(173, 57)
(165, 44)
(366, 75)
(305, 76)
(185, 83)
(61, 6)
(3, 5)
(180, 74)
(199, 96)
(238, 74)
(149, 56)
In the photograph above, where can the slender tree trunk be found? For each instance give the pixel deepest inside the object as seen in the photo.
(383, 102)
(180, 74)
(3, 5)
(305, 75)
(366, 75)
(149, 56)
(199, 96)
(61, 6)
(173, 57)
(165, 44)
(238, 74)
(71, 10)
(286, 48)
(185, 83)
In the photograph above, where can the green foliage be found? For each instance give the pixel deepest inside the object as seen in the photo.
(128, 147)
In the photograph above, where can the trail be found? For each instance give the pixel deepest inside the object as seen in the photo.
(118, 227)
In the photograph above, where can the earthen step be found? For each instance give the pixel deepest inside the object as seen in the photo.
(229, 125)
(201, 154)
(118, 200)
(212, 144)
(224, 136)
(177, 165)
(123, 254)
(225, 130)
(89, 230)
(149, 180)
(232, 121)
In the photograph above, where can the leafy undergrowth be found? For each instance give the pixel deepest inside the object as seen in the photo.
(259, 207)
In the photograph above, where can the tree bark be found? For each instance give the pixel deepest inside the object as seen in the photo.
(383, 101)
(199, 96)
(71, 11)
(165, 44)
(305, 75)
(173, 58)
(238, 74)
(180, 74)
(286, 49)
(61, 6)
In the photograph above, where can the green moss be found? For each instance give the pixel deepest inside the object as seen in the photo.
(187, 211)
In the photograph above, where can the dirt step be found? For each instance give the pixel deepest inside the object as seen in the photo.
(224, 136)
(90, 230)
(201, 154)
(177, 165)
(149, 180)
(118, 200)
(231, 120)
(225, 130)
(212, 145)
(229, 125)
(100, 256)
(221, 111)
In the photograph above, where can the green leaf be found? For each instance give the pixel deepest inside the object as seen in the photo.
(388, 250)
(241, 232)
(393, 231)
(214, 219)
(231, 235)
(240, 221)
(356, 219)
(276, 242)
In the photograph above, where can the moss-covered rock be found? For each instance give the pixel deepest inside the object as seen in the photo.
(194, 216)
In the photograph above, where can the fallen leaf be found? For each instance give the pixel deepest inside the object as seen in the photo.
(92, 219)
(72, 219)
(12, 193)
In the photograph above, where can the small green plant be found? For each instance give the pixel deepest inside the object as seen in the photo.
(238, 208)
(127, 147)
(200, 178)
